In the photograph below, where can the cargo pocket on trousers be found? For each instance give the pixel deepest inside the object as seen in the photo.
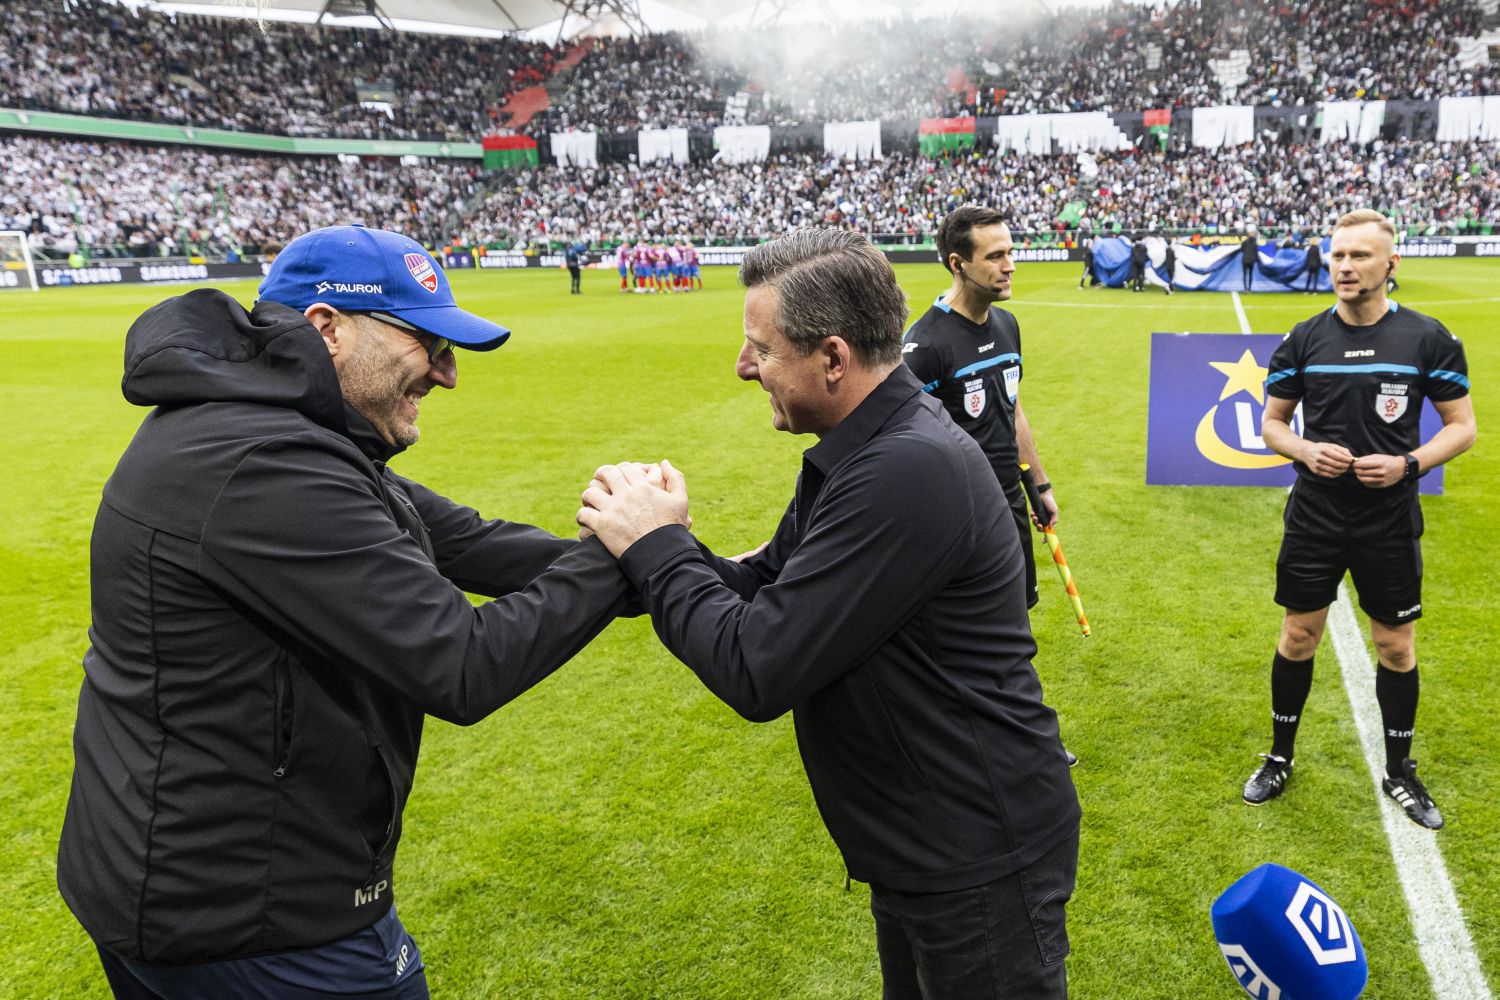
(1047, 886)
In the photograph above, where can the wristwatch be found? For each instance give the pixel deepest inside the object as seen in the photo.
(1413, 467)
(1042, 488)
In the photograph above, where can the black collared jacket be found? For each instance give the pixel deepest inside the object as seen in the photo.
(888, 614)
(274, 613)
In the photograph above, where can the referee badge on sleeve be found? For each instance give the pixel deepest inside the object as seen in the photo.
(1391, 403)
(974, 396)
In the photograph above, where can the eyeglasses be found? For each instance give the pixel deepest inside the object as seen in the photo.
(435, 346)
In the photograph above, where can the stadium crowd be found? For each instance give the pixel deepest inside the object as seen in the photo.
(93, 57)
(1277, 187)
(96, 58)
(155, 200)
(145, 201)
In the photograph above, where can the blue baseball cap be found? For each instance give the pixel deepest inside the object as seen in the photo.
(355, 269)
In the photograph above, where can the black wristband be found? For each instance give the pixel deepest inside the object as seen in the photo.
(1043, 487)
(1413, 467)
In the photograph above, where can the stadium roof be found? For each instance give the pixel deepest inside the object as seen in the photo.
(552, 19)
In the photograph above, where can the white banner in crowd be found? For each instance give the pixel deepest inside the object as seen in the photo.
(663, 144)
(1043, 135)
(1352, 121)
(577, 149)
(1231, 125)
(1088, 130)
(1024, 133)
(1463, 118)
(852, 140)
(1232, 70)
(1475, 52)
(742, 143)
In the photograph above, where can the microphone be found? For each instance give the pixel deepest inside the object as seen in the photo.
(1375, 288)
(965, 275)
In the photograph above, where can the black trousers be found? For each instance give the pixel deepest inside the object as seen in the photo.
(576, 273)
(1004, 940)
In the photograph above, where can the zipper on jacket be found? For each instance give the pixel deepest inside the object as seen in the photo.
(284, 709)
(390, 828)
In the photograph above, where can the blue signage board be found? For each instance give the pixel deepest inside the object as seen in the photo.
(1204, 413)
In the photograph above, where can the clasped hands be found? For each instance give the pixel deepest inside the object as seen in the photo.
(1331, 460)
(628, 501)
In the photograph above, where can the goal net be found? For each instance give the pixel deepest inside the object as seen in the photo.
(16, 267)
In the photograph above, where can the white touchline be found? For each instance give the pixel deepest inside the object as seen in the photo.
(1239, 310)
(1442, 937)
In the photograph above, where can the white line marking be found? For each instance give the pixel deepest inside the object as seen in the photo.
(1239, 310)
(1442, 938)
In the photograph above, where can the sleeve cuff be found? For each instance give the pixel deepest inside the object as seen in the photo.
(667, 544)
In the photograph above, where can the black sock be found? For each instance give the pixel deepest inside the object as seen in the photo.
(1397, 695)
(1291, 680)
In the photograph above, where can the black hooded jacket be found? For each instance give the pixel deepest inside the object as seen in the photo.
(274, 613)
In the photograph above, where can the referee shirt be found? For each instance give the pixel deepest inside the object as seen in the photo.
(975, 372)
(888, 613)
(1362, 386)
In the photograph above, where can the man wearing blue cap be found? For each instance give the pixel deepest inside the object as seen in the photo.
(275, 612)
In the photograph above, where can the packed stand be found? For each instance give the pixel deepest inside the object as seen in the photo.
(1278, 187)
(92, 57)
(145, 201)
(95, 58)
(118, 199)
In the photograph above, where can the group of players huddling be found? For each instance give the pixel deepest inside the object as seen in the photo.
(658, 267)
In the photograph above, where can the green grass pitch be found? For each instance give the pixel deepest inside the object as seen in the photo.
(618, 833)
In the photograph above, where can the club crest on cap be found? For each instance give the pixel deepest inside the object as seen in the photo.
(421, 269)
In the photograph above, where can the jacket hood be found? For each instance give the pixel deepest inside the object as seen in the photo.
(203, 347)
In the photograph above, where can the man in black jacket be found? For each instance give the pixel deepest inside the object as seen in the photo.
(1314, 265)
(274, 614)
(1138, 259)
(888, 614)
(1249, 257)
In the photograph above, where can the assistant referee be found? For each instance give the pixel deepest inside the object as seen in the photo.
(967, 352)
(1360, 371)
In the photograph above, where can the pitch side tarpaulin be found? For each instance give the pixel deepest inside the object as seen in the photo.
(1210, 269)
(938, 136)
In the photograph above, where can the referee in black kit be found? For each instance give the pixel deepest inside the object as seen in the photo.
(1360, 371)
(967, 353)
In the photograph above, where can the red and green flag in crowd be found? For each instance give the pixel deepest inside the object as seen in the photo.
(941, 136)
(1072, 213)
(1159, 124)
(504, 152)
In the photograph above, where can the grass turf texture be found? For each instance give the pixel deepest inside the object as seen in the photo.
(618, 833)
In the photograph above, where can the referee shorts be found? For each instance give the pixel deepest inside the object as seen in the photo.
(1017, 500)
(1376, 538)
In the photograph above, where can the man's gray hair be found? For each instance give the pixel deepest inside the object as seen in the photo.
(832, 283)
